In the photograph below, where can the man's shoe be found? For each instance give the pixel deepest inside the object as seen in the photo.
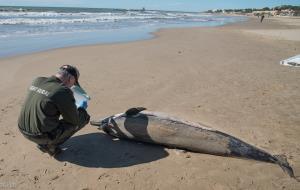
(51, 150)
(42, 148)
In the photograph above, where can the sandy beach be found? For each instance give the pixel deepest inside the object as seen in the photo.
(228, 78)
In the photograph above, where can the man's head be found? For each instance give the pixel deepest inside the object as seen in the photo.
(69, 75)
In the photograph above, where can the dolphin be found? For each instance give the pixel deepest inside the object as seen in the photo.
(159, 128)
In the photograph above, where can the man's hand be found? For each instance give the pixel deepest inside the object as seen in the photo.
(83, 105)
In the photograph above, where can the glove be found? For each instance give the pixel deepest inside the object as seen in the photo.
(83, 105)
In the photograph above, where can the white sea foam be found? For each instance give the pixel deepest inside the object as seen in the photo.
(38, 18)
(46, 21)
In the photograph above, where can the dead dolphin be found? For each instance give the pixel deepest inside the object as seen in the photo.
(152, 127)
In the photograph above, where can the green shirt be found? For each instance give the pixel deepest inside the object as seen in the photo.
(48, 99)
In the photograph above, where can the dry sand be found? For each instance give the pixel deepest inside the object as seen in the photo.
(289, 30)
(225, 77)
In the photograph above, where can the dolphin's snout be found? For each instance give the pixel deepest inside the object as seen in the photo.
(102, 123)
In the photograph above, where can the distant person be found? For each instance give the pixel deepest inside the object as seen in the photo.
(262, 18)
(49, 115)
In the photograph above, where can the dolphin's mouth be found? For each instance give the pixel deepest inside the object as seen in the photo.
(106, 125)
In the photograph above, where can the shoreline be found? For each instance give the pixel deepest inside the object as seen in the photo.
(275, 34)
(223, 77)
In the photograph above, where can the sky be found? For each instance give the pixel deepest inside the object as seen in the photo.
(179, 5)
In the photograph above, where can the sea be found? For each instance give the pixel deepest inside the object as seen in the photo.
(26, 30)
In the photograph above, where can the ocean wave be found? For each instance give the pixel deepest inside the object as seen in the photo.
(16, 24)
(49, 14)
(29, 21)
(40, 18)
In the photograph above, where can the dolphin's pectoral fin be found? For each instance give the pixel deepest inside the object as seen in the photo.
(134, 111)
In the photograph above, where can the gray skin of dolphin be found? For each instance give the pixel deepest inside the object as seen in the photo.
(152, 127)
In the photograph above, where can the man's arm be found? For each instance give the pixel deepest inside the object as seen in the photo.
(84, 117)
(65, 103)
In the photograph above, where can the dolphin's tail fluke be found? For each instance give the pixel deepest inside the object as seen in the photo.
(283, 163)
(245, 150)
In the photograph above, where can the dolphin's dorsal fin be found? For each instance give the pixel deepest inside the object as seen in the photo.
(134, 111)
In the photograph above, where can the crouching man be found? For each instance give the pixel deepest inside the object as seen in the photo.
(49, 115)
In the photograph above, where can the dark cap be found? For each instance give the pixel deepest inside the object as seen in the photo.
(72, 70)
